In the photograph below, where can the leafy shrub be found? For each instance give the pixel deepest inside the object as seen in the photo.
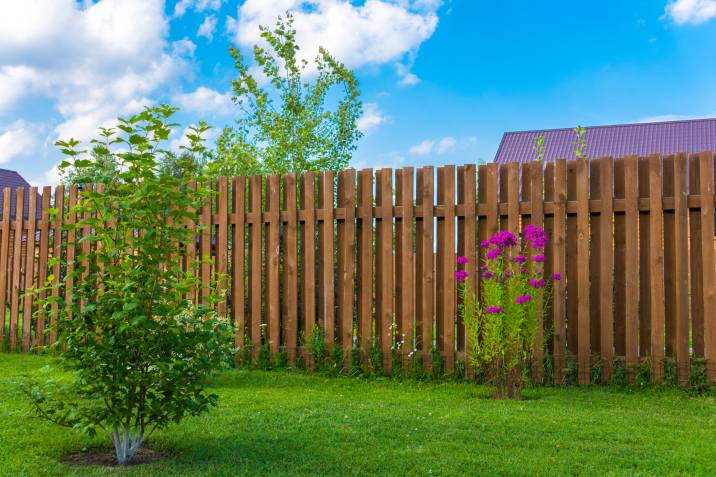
(139, 350)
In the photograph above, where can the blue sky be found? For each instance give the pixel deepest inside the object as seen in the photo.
(441, 80)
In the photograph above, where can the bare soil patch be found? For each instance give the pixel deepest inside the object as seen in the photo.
(105, 457)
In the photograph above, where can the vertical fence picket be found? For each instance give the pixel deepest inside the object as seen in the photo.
(346, 261)
(619, 258)
(446, 267)
(424, 266)
(384, 266)
(467, 246)
(537, 220)
(681, 270)
(696, 290)
(308, 255)
(29, 271)
(365, 263)
(238, 294)
(644, 261)
(59, 206)
(254, 219)
(290, 268)
(559, 250)
(4, 255)
(706, 174)
(606, 266)
(631, 265)
(271, 267)
(656, 268)
(222, 238)
(405, 299)
(190, 262)
(326, 294)
(595, 258)
(571, 260)
(16, 267)
(583, 303)
(669, 232)
(205, 246)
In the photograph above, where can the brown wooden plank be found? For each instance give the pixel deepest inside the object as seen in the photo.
(606, 266)
(365, 263)
(656, 268)
(273, 310)
(583, 303)
(536, 178)
(326, 295)
(222, 238)
(290, 268)
(190, 260)
(16, 267)
(4, 254)
(205, 248)
(681, 270)
(595, 258)
(345, 283)
(445, 265)
(59, 205)
(669, 217)
(238, 293)
(405, 299)
(513, 197)
(255, 292)
(467, 246)
(424, 266)
(559, 250)
(644, 263)
(696, 288)
(631, 265)
(708, 262)
(571, 261)
(308, 255)
(29, 271)
(547, 302)
(619, 258)
(384, 265)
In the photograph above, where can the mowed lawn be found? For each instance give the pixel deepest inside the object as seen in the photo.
(289, 423)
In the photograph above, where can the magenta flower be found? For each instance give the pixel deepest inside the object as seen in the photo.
(488, 275)
(537, 283)
(493, 253)
(520, 259)
(538, 258)
(523, 299)
(507, 274)
(493, 310)
(461, 260)
(485, 244)
(535, 236)
(556, 276)
(523, 270)
(538, 271)
(461, 275)
(503, 239)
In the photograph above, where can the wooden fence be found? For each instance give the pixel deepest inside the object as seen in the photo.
(370, 258)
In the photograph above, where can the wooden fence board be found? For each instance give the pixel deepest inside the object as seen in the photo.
(559, 251)
(445, 265)
(583, 304)
(255, 275)
(606, 286)
(644, 262)
(59, 206)
(271, 257)
(656, 268)
(238, 238)
(205, 249)
(696, 290)
(16, 267)
(631, 265)
(308, 256)
(681, 270)
(384, 266)
(467, 246)
(595, 258)
(571, 261)
(326, 296)
(365, 263)
(669, 219)
(345, 283)
(222, 238)
(424, 264)
(706, 174)
(619, 258)
(537, 219)
(4, 255)
(404, 272)
(29, 271)
(290, 268)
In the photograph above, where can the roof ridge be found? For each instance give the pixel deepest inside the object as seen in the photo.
(603, 126)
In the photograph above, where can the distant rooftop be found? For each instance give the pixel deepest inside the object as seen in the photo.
(688, 136)
(13, 180)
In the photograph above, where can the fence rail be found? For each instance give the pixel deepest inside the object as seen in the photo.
(370, 256)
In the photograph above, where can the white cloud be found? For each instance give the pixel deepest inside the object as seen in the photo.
(207, 28)
(432, 146)
(407, 78)
(205, 101)
(371, 118)
(372, 33)
(198, 5)
(18, 138)
(446, 145)
(690, 11)
(93, 61)
(422, 149)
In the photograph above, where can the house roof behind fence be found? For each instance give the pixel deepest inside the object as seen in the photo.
(13, 180)
(689, 136)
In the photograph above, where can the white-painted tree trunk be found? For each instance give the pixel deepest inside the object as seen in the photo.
(126, 443)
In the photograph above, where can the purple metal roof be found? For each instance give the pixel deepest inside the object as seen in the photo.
(670, 137)
(13, 180)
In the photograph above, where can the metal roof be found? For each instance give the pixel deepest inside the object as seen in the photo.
(688, 136)
(13, 180)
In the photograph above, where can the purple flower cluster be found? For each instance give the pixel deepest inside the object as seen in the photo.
(493, 310)
(538, 258)
(523, 299)
(503, 239)
(462, 260)
(537, 283)
(493, 253)
(461, 275)
(520, 259)
(535, 236)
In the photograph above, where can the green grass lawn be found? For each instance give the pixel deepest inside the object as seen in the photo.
(288, 423)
